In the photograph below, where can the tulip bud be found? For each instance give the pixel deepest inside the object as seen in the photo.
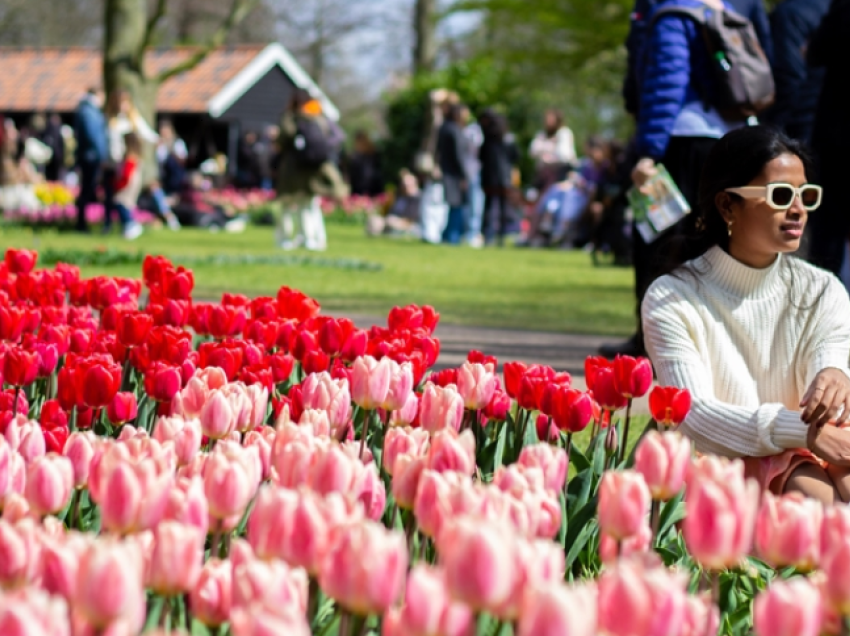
(663, 460)
(50, 481)
(788, 608)
(788, 531)
(623, 503)
(211, 594)
(122, 408)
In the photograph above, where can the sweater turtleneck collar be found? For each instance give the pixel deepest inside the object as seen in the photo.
(739, 279)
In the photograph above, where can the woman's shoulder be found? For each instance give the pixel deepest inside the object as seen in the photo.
(678, 286)
(809, 279)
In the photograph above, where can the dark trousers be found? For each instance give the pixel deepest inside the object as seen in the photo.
(684, 160)
(456, 225)
(109, 175)
(89, 175)
(496, 216)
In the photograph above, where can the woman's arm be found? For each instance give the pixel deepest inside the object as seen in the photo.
(565, 146)
(713, 425)
(141, 128)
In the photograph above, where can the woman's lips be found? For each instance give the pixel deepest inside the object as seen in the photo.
(792, 230)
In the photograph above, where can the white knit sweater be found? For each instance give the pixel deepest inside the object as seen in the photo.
(747, 343)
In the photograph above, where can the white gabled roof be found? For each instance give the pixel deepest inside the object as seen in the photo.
(273, 55)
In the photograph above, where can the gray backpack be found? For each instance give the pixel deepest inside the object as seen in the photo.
(743, 82)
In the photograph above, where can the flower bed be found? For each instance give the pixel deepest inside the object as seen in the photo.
(254, 466)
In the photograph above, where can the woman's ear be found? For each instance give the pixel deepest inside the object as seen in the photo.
(724, 204)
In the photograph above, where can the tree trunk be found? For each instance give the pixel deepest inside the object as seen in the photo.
(425, 29)
(126, 29)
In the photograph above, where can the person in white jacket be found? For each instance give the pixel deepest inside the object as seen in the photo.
(552, 149)
(759, 338)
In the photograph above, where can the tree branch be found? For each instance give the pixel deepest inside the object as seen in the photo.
(153, 22)
(239, 10)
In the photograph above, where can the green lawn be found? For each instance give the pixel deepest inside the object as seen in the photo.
(510, 287)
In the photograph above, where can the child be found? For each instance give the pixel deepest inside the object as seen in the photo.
(128, 185)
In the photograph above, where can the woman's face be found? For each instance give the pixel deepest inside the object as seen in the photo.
(550, 121)
(759, 232)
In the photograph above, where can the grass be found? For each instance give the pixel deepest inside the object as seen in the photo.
(510, 288)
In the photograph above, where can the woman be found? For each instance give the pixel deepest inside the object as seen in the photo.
(498, 155)
(553, 149)
(760, 339)
(456, 181)
(364, 167)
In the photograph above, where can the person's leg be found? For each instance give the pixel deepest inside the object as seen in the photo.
(131, 229)
(504, 217)
(841, 478)
(487, 218)
(476, 211)
(108, 198)
(162, 208)
(454, 228)
(87, 195)
(813, 481)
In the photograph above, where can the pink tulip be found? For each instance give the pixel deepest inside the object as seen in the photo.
(364, 586)
(291, 463)
(623, 503)
(702, 616)
(187, 504)
(270, 586)
(264, 623)
(479, 563)
(370, 381)
(183, 434)
(369, 490)
(558, 610)
(610, 550)
(788, 608)
(211, 594)
(441, 408)
(6, 452)
(836, 587)
(175, 563)
(788, 531)
(20, 554)
(517, 479)
(720, 515)
(317, 422)
(634, 600)
(231, 477)
(217, 417)
(332, 470)
(50, 481)
(26, 437)
(428, 609)
(476, 384)
(430, 505)
(450, 451)
(60, 560)
(321, 392)
(402, 441)
(663, 460)
(406, 472)
(15, 507)
(258, 398)
(262, 440)
(401, 386)
(109, 584)
(406, 414)
(551, 460)
(80, 449)
(834, 528)
(30, 612)
(132, 491)
(189, 402)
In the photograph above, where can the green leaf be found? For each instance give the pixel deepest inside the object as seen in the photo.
(598, 446)
(578, 491)
(155, 607)
(199, 629)
(586, 533)
(580, 524)
(672, 512)
(501, 440)
(578, 459)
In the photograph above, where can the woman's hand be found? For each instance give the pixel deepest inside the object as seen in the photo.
(831, 444)
(643, 172)
(828, 394)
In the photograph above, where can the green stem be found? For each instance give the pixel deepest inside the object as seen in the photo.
(366, 421)
(15, 403)
(216, 539)
(569, 445)
(187, 617)
(520, 441)
(625, 437)
(655, 519)
(312, 599)
(75, 510)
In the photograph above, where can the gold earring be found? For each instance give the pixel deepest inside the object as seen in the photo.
(729, 227)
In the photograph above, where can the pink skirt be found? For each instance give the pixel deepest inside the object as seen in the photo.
(773, 472)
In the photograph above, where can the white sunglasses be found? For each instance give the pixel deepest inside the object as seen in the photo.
(780, 196)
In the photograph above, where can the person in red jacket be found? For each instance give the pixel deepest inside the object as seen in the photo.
(128, 186)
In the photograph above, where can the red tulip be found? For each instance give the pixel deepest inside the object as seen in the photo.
(546, 430)
(12, 323)
(355, 345)
(20, 367)
(605, 390)
(572, 410)
(514, 372)
(591, 366)
(123, 408)
(133, 328)
(226, 321)
(66, 393)
(98, 380)
(295, 305)
(162, 382)
(669, 405)
(632, 376)
(499, 407)
(180, 284)
(20, 261)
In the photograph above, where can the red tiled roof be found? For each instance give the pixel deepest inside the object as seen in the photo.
(54, 79)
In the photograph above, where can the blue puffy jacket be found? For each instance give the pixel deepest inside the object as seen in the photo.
(90, 133)
(675, 70)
